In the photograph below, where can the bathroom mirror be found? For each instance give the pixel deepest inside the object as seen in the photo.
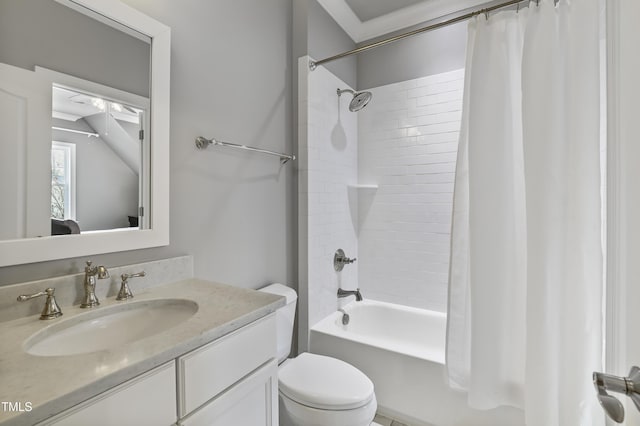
(84, 129)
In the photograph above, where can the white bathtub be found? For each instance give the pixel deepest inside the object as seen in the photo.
(401, 349)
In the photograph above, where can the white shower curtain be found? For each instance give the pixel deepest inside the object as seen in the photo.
(525, 291)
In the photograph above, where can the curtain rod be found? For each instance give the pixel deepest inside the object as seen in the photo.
(81, 132)
(314, 64)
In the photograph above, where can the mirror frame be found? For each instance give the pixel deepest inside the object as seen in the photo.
(29, 250)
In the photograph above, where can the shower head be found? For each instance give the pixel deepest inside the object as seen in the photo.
(359, 101)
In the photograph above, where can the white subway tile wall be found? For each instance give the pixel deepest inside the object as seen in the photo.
(331, 166)
(408, 140)
(378, 184)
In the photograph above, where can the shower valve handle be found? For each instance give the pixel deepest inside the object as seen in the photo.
(340, 259)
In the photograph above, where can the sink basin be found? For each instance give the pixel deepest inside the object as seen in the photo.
(109, 327)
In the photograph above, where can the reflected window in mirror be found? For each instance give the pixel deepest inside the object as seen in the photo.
(63, 181)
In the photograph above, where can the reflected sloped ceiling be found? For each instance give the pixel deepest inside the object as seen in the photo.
(117, 138)
(72, 105)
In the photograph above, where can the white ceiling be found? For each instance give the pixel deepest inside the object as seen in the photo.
(366, 10)
(366, 19)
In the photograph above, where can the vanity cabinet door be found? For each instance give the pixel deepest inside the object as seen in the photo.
(210, 369)
(252, 401)
(147, 400)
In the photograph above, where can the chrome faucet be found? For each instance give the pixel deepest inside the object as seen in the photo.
(346, 293)
(90, 273)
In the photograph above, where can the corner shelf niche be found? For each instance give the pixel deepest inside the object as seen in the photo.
(371, 187)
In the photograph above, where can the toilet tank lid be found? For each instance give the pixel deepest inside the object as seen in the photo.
(281, 290)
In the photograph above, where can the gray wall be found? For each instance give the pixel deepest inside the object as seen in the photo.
(429, 53)
(48, 34)
(316, 34)
(230, 79)
(319, 36)
(326, 38)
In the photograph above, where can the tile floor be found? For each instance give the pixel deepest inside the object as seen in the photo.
(385, 421)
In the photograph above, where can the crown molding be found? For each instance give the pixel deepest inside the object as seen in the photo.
(402, 18)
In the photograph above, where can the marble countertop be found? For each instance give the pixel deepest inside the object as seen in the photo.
(52, 384)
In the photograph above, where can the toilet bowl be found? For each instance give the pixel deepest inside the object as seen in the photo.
(317, 390)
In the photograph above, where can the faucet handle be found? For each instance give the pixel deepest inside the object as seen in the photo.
(100, 271)
(125, 292)
(51, 309)
(103, 272)
(340, 259)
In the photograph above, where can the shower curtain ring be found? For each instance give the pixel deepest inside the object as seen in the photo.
(486, 15)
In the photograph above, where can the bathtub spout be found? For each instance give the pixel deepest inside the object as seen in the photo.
(345, 293)
(345, 317)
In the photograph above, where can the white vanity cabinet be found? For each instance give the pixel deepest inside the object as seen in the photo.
(149, 399)
(252, 401)
(230, 381)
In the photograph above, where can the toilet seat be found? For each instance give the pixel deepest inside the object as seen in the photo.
(324, 383)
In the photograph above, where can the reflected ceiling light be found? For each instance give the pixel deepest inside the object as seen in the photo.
(98, 103)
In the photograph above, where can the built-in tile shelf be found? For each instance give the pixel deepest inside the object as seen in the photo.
(369, 187)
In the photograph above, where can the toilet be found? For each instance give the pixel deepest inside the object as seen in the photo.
(317, 390)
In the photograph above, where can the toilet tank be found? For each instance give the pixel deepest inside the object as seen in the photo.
(284, 318)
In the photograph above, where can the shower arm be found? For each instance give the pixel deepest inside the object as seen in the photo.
(341, 91)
